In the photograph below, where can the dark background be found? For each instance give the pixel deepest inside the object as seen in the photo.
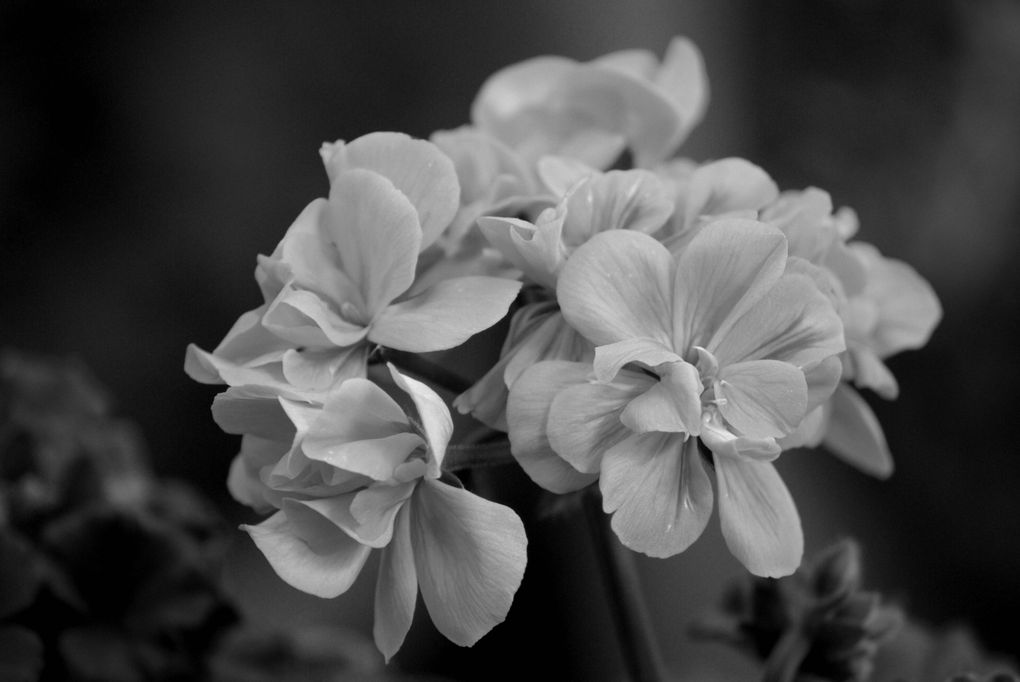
(148, 152)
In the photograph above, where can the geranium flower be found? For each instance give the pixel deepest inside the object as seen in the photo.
(339, 280)
(356, 474)
(593, 111)
(886, 307)
(724, 344)
(595, 202)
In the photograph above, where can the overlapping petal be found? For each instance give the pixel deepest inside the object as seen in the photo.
(469, 554)
(617, 286)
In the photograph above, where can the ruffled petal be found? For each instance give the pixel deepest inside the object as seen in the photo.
(673, 404)
(611, 358)
(759, 519)
(855, 436)
(313, 372)
(309, 552)
(434, 414)
(584, 420)
(527, 413)
(470, 556)
(657, 489)
(305, 319)
(375, 229)
(358, 410)
(445, 315)
(722, 274)
(417, 168)
(536, 249)
(618, 286)
(793, 322)
(396, 589)
(762, 398)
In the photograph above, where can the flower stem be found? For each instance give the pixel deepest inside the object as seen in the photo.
(784, 661)
(638, 645)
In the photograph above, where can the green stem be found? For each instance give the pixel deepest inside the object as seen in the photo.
(634, 631)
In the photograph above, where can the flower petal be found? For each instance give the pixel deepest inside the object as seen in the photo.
(376, 232)
(396, 588)
(721, 274)
(252, 410)
(618, 286)
(434, 414)
(618, 200)
(759, 520)
(657, 489)
(611, 358)
(793, 322)
(536, 249)
(584, 419)
(684, 81)
(308, 552)
(727, 185)
(445, 315)
(305, 319)
(855, 436)
(527, 414)
(822, 379)
(673, 404)
(415, 167)
(376, 458)
(470, 556)
(762, 398)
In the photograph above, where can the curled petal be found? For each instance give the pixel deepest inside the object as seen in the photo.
(309, 552)
(759, 519)
(469, 554)
(536, 250)
(377, 458)
(445, 315)
(434, 414)
(618, 286)
(611, 358)
(657, 489)
(727, 185)
(673, 404)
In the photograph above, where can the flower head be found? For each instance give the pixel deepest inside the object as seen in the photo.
(341, 278)
(723, 344)
(359, 473)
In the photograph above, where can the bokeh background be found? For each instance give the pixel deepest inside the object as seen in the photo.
(148, 152)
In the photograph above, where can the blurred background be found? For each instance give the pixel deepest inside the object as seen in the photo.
(149, 151)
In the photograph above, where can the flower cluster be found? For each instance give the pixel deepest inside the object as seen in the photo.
(671, 323)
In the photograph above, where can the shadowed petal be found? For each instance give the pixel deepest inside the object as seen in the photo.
(762, 398)
(618, 286)
(434, 414)
(376, 458)
(682, 78)
(527, 413)
(855, 436)
(656, 486)
(396, 588)
(309, 552)
(252, 410)
(470, 556)
(759, 520)
(376, 232)
(445, 315)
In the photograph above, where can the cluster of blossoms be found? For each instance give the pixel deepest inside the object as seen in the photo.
(671, 323)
